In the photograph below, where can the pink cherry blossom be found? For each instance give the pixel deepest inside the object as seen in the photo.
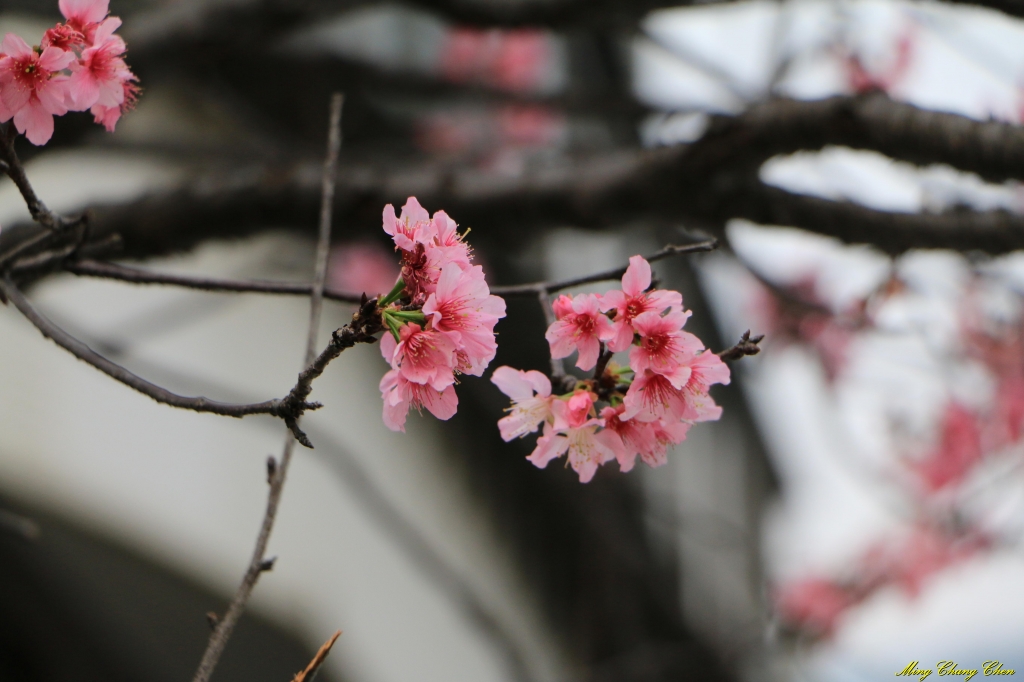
(706, 370)
(462, 308)
(626, 437)
(411, 228)
(574, 431)
(359, 267)
(531, 401)
(634, 299)
(427, 245)
(448, 242)
(663, 345)
(657, 396)
(421, 356)
(958, 450)
(31, 90)
(100, 74)
(580, 326)
(84, 16)
(109, 116)
(62, 36)
(814, 605)
(399, 395)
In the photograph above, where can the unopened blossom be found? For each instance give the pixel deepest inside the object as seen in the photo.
(580, 326)
(531, 401)
(662, 345)
(101, 72)
(400, 394)
(634, 300)
(463, 308)
(31, 89)
(422, 356)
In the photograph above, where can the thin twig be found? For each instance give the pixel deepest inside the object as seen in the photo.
(11, 165)
(534, 288)
(124, 273)
(258, 564)
(115, 371)
(313, 668)
(745, 346)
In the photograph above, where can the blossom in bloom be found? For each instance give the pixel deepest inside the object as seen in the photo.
(531, 400)
(427, 245)
(574, 431)
(706, 369)
(411, 228)
(100, 73)
(463, 308)
(84, 16)
(579, 326)
(634, 300)
(400, 394)
(422, 356)
(31, 90)
(62, 36)
(626, 438)
(109, 116)
(657, 396)
(662, 345)
(440, 314)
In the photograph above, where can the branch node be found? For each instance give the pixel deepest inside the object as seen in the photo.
(268, 564)
(212, 619)
(271, 469)
(747, 345)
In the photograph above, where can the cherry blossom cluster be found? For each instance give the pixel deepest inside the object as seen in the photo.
(814, 606)
(939, 469)
(638, 409)
(440, 316)
(77, 66)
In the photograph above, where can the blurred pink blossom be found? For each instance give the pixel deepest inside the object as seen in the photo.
(362, 267)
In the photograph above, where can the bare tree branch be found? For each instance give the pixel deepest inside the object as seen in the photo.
(551, 287)
(123, 273)
(258, 564)
(115, 371)
(704, 183)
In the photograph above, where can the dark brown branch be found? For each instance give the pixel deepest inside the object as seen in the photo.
(123, 273)
(745, 346)
(535, 288)
(993, 232)
(311, 670)
(115, 371)
(702, 184)
(258, 564)
(11, 165)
